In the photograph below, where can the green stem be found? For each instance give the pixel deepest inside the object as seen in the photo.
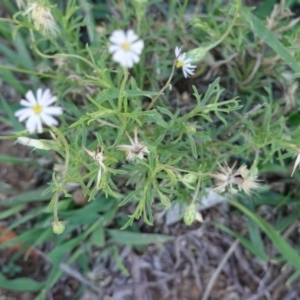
(195, 197)
(122, 88)
(55, 207)
(29, 72)
(66, 167)
(164, 87)
(59, 54)
(237, 13)
(7, 20)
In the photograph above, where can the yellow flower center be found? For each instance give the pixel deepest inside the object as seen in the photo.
(179, 64)
(125, 46)
(37, 109)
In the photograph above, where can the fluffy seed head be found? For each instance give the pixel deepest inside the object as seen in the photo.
(42, 18)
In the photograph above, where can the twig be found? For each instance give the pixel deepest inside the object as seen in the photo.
(219, 269)
(246, 116)
(255, 68)
(274, 283)
(291, 228)
(142, 284)
(74, 273)
(163, 89)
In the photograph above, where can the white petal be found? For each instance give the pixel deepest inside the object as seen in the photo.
(25, 103)
(137, 47)
(39, 125)
(134, 57)
(180, 58)
(127, 61)
(120, 57)
(131, 58)
(45, 97)
(118, 37)
(177, 51)
(114, 48)
(46, 94)
(189, 71)
(23, 114)
(185, 74)
(190, 66)
(188, 61)
(31, 124)
(30, 97)
(131, 36)
(50, 101)
(39, 96)
(48, 120)
(53, 110)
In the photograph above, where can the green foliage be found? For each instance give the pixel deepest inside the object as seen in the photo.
(242, 107)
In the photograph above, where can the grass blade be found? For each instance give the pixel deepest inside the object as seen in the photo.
(257, 26)
(282, 246)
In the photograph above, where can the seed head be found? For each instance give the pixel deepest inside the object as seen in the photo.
(42, 18)
(98, 158)
(136, 150)
(241, 178)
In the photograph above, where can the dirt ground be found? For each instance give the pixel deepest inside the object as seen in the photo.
(200, 263)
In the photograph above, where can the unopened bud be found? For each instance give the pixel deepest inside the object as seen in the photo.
(165, 200)
(190, 128)
(58, 227)
(140, 7)
(189, 178)
(190, 214)
(38, 144)
(197, 54)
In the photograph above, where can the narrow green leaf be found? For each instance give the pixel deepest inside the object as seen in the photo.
(256, 239)
(286, 250)
(29, 196)
(246, 243)
(257, 26)
(136, 238)
(20, 284)
(15, 160)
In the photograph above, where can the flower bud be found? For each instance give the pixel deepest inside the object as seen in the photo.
(37, 144)
(58, 227)
(197, 54)
(189, 178)
(190, 214)
(165, 200)
(140, 7)
(190, 128)
(31, 143)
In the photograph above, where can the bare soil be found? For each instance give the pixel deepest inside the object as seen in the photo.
(200, 263)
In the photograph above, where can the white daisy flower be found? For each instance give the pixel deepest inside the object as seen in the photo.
(126, 47)
(184, 63)
(135, 150)
(38, 110)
